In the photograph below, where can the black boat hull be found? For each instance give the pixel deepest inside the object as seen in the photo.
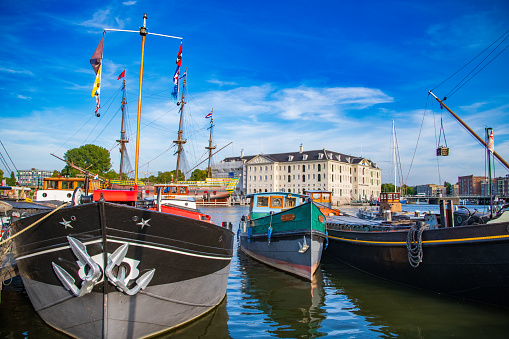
(191, 259)
(468, 262)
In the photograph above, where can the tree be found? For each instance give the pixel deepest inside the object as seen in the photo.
(12, 180)
(447, 187)
(88, 157)
(387, 187)
(55, 174)
(198, 175)
(111, 174)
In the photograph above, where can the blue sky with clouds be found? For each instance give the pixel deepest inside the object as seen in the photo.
(324, 74)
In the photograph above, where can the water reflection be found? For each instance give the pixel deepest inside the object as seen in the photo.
(293, 307)
(398, 311)
(212, 325)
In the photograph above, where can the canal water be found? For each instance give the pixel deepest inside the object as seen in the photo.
(340, 303)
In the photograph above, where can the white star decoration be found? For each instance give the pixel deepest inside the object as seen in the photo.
(143, 223)
(66, 223)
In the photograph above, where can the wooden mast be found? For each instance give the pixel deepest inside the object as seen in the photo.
(210, 147)
(470, 130)
(180, 141)
(122, 140)
(143, 33)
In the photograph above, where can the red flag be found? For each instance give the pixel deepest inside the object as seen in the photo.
(179, 56)
(96, 58)
(121, 75)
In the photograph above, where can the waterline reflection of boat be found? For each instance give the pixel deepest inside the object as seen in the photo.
(294, 305)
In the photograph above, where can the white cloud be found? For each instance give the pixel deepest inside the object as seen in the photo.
(129, 3)
(103, 19)
(23, 97)
(221, 83)
(14, 71)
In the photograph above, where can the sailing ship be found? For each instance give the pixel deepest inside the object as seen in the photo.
(111, 265)
(285, 231)
(457, 253)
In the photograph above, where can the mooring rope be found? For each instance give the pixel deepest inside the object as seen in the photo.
(414, 244)
(33, 224)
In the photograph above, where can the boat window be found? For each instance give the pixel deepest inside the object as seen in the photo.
(183, 190)
(67, 185)
(316, 196)
(290, 202)
(174, 189)
(262, 202)
(276, 202)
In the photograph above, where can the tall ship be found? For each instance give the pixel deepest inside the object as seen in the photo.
(112, 265)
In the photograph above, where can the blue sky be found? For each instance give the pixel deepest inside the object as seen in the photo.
(324, 74)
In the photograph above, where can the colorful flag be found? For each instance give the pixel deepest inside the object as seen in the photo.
(176, 75)
(491, 143)
(97, 175)
(209, 115)
(121, 75)
(97, 57)
(179, 56)
(97, 82)
(96, 63)
(176, 84)
(184, 75)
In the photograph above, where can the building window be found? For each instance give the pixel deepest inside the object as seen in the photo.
(303, 168)
(289, 169)
(319, 167)
(289, 179)
(303, 178)
(319, 177)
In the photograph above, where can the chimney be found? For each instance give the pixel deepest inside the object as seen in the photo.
(242, 153)
(301, 149)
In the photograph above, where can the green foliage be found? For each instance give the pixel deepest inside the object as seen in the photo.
(447, 187)
(12, 180)
(198, 175)
(409, 190)
(88, 157)
(387, 187)
(111, 174)
(166, 177)
(55, 174)
(1, 174)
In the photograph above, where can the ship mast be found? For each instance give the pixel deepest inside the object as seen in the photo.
(470, 130)
(122, 140)
(180, 141)
(143, 32)
(210, 147)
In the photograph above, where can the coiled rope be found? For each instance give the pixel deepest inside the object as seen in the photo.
(414, 244)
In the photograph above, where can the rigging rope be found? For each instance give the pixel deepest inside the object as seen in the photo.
(414, 244)
(8, 156)
(418, 137)
(478, 55)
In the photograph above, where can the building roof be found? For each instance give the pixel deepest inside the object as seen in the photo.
(312, 155)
